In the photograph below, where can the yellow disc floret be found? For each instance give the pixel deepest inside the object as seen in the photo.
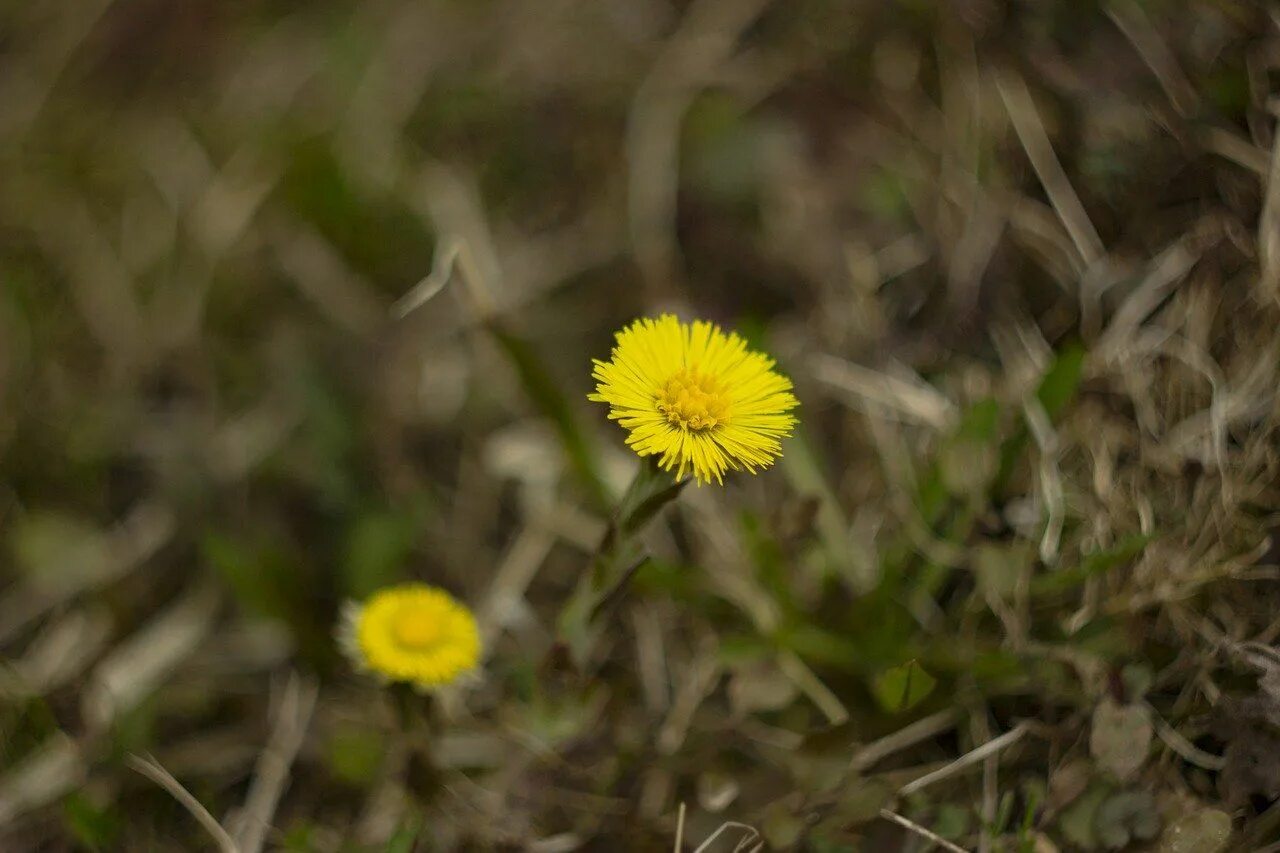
(696, 397)
(693, 401)
(414, 633)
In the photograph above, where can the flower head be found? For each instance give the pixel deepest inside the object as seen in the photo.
(695, 396)
(413, 633)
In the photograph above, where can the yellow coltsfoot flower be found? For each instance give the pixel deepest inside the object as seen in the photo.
(412, 633)
(695, 396)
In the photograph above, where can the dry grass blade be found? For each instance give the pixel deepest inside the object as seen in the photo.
(970, 758)
(138, 665)
(1163, 274)
(343, 296)
(822, 697)
(1131, 20)
(704, 41)
(150, 768)
(912, 400)
(59, 653)
(55, 768)
(306, 304)
(924, 833)
(1269, 227)
(441, 272)
(750, 835)
(271, 774)
(1186, 749)
(452, 203)
(908, 736)
(651, 657)
(1226, 144)
(1031, 132)
(701, 677)
(146, 529)
(516, 571)
(981, 733)
(1050, 478)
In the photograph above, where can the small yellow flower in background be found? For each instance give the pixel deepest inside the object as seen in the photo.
(695, 396)
(413, 633)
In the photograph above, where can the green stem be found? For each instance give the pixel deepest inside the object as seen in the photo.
(416, 717)
(617, 558)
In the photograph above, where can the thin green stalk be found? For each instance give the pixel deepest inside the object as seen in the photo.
(417, 721)
(617, 559)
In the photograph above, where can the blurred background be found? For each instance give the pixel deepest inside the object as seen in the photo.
(299, 300)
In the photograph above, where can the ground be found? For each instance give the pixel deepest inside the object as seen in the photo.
(299, 301)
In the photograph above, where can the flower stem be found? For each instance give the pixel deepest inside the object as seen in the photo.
(617, 558)
(416, 716)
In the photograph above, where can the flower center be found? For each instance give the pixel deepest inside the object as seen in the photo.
(693, 401)
(413, 631)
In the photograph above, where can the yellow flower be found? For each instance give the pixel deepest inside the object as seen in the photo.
(696, 397)
(414, 633)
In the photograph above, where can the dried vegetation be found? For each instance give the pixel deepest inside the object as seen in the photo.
(296, 301)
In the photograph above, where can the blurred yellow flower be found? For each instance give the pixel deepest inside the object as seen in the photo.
(413, 633)
(695, 396)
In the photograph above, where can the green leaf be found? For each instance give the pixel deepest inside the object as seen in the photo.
(324, 454)
(95, 828)
(953, 821)
(1000, 566)
(681, 581)
(969, 459)
(377, 545)
(1076, 821)
(300, 838)
(740, 649)
(649, 491)
(266, 579)
(1060, 382)
(980, 422)
(903, 687)
(377, 234)
(781, 825)
(54, 549)
(1056, 390)
(253, 573)
(406, 836)
(650, 506)
(817, 644)
(1094, 564)
(885, 193)
(354, 754)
